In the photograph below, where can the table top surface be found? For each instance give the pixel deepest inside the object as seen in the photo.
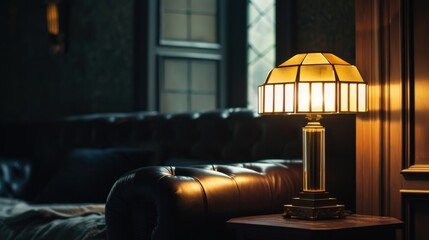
(353, 221)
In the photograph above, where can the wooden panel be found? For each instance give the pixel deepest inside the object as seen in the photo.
(418, 19)
(416, 130)
(393, 84)
(368, 125)
(416, 213)
(394, 160)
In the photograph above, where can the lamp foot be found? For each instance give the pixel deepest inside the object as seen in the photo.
(314, 206)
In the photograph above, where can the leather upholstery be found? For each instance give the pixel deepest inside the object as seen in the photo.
(223, 135)
(167, 202)
(173, 202)
(220, 136)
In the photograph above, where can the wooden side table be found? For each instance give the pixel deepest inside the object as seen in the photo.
(352, 227)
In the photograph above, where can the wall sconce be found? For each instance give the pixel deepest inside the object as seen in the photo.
(313, 84)
(55, 19)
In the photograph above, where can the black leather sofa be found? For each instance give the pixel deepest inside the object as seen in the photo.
(167, 202)
(38, 159)
(77, 159)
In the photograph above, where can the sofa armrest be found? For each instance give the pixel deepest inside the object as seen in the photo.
(15, 175)
(167, 202)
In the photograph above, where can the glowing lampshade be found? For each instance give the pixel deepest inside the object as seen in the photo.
(313, 83)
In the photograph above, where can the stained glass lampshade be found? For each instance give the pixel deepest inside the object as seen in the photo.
(313, 84)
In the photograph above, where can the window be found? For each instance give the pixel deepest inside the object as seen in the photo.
(189, 55)
(188, 84)
(261, 45)
(189, 23)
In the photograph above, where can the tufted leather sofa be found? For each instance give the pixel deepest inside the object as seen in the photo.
(34, 156)
(194, 202)
(32, 153)
(185, 173)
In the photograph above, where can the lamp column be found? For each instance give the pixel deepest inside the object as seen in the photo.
(314, 202)
(314, 155)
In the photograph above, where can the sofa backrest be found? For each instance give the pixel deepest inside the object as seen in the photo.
(226, 135)
(219, 136)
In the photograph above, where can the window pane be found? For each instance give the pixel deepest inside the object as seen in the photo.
(175, 74)
(263, 5)
(260, 34)
(203, 102)
(174, 102)
(203, 76)
(189, 20)
(188, 84)
(203, 28)
(261, 45)
(174, 26)
(175, 5)
(208, 6)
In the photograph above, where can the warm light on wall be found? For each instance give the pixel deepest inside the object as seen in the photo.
(313, 84)
(52, 18)
(55, 19)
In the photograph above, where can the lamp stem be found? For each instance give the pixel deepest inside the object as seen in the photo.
(314, 202)
(314, 155)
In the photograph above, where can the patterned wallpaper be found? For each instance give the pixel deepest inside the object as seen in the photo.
(95, 74)
(326, 26)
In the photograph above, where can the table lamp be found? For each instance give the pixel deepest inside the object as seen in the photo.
(313, 84)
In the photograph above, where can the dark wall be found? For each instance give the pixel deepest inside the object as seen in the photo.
(95, 74)
(97, 71)
(314, 25)
(326, 26)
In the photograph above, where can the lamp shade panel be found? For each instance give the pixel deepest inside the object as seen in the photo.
(313, 83)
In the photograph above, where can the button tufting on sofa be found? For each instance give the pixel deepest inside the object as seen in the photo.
(202, 167)
(168, 202)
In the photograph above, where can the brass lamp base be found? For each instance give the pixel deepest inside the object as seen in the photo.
(314, 206)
